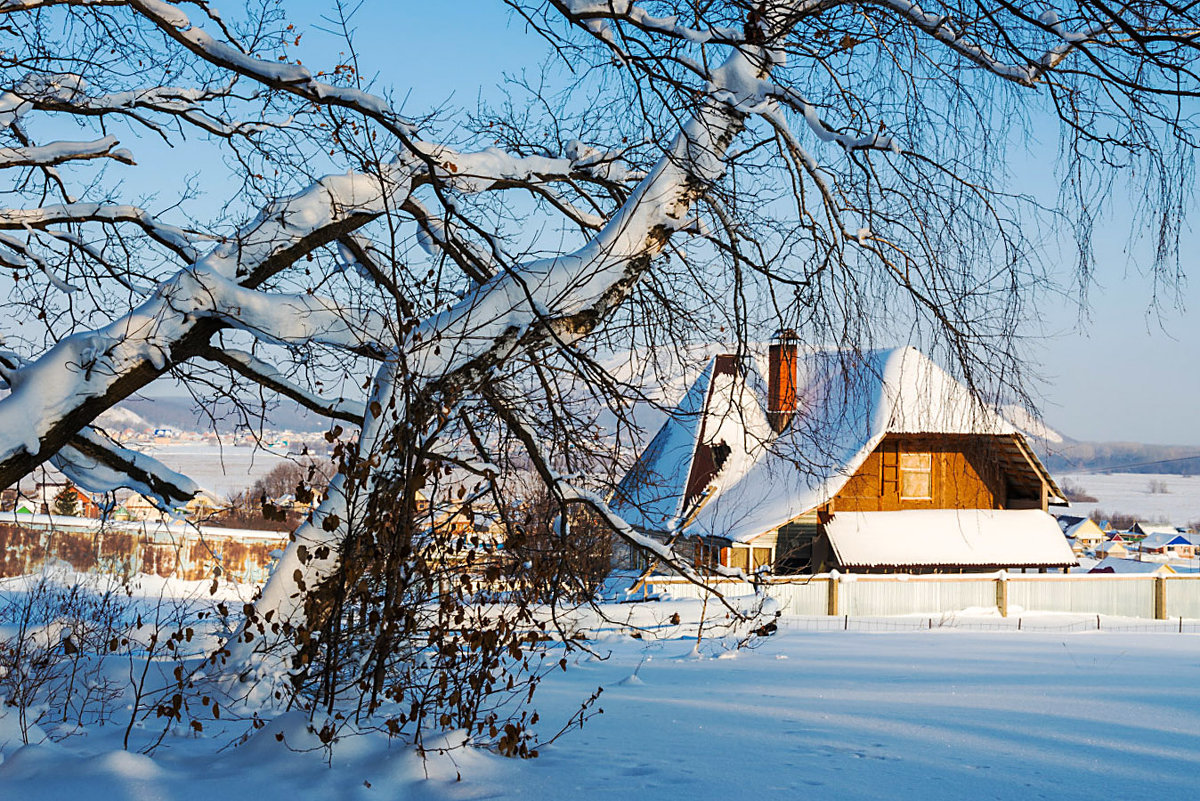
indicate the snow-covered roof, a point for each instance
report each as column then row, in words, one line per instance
column 1162, row 539
column 1111, row 564
column 1072, row 527
column 948, row 537
column 846, row 404
column 1155, row 529
column 1067, row 522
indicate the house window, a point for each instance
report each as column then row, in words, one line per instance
column 916, row 476
column 705, row 556
column 739, row 558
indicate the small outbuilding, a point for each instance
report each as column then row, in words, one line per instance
column 1114, row 548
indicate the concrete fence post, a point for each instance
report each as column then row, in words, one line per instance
column 1002, row 595
column 1160, row 597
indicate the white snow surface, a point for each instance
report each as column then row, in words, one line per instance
column 162, row 529
column 1129, row 493
column 948, row 537
column 939, row 714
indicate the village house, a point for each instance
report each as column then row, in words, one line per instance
column 810, row 460
column 1141, row 530
column 1081, row 532
column 1167, row 544
column 138, row 507
column 201, row 507
column 1114, row 548
column 46, row 496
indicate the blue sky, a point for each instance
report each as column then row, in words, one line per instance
column 1125, row 375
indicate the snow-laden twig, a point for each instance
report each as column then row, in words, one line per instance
column 942, row 29
column 60, row 152
column 165, row 234
column 84, row 370
column 269, row 376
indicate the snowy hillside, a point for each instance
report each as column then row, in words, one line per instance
column 1140, row 494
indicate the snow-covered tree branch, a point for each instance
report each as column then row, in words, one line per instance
column 701, row 172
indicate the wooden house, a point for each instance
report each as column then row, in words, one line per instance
column 805, row 460
column 1082, row 532
column 1114, row 548
column 201, row 507
column 47, row 493
column 138, row 507
column 1168, row 544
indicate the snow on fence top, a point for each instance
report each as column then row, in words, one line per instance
column 158, row 529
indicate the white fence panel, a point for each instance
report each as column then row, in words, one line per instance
column 875, row 597
column 686, row 589
column 798, row 598
column 1183, row 597
column 801, row 598
column 1127, row 597
column 883, row 596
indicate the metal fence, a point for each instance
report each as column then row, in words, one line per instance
column 1156, row 597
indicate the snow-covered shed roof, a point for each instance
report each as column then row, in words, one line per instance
column 846, row 404
column 1073, row 527
column 948, row 537
column 1111, row 564
column 1154, row 528
column 1067, row 522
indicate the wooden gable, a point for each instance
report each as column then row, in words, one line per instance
column 943, row 471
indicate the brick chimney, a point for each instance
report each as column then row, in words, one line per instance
column 781, row 380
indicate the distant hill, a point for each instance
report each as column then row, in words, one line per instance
column 1061, row 454
column 180, row 414
column 1071, row 456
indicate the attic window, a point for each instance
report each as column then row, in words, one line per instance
column 720, row 452
column 916, row 476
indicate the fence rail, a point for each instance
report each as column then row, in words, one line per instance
column 1155, row 597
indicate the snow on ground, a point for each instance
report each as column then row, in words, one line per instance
column 941, row 714
column 1129, row 493
column 222, row 470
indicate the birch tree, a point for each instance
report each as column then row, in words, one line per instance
column 440, row 288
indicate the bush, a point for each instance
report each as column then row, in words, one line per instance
column 1075, row 493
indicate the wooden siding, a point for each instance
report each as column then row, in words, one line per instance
column 964, row 474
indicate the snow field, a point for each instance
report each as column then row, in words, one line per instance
column 846, row 715
column 1129, row 493
column 941, row 714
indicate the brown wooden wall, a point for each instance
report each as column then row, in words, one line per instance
column 965, row 474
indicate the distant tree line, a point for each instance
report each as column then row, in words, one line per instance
column 1121, row 457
